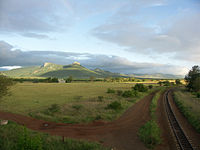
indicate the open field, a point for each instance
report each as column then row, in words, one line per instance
column 74, row 102
column 120, row 134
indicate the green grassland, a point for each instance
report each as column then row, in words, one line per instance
column 68, row 102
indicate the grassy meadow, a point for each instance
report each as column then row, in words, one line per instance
column 189, row 100
column 68, row 102
column 189, row 105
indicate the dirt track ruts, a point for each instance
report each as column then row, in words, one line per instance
column 120, row 134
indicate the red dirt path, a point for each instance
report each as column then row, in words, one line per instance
column 120, row 134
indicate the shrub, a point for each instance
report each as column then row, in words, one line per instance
column 98, row 117
column 178, row 81
column 198, row 94
column 110, row 90
column 100, row 98
column 77, row 107
column 166, row 83
column 129, row 93
column 54, row 108
column 27, row 142
column 114, row 105
column 150, row 86
column 119, row 92
column 150, row 134
column 140, row 88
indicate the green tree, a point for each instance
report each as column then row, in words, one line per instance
column 178, row 81
column 140, row 88
column 69, row 79
column 196, row 84
column 5, row 83
column 191, row 78
column 160, row 83
column 166, row 83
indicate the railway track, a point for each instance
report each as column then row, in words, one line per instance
column 180, row 136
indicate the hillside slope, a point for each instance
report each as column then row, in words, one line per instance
column 60, row 71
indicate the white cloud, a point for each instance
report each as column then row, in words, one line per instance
column 9, row 67
column 118, row 64
column 178, row 35
column 32, row 17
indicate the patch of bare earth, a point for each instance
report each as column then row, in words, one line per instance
column 120, row 134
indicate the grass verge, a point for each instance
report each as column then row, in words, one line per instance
column 16, row 137
column 187, row 110
column 150, row 133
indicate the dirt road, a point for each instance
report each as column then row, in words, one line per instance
column 120, row 134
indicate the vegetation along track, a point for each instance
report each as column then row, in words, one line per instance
column 181, row 138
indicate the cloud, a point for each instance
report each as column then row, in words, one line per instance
column 11, row 57
column 9, row 67
column 35, row 35
column 177, row 35
column 33, row 17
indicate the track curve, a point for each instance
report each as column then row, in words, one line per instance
column 181, row 138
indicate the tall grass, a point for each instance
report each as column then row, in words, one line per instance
column 150, row 133
column 191, row 116
column 16, row 137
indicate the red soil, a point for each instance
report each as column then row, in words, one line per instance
column 120, row 134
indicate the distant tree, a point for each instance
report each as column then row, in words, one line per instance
column 140, row 88
column 160, row 83
column 166, row 83
column 69, row 79
column 178, row 81
column 55, row 80
column 5, row 83
column 191, row 78
column 150, row 86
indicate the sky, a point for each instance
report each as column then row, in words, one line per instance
column 125, row 36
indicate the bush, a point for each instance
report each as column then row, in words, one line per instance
column 129, row 93
column 77, row 107
column 110, row 90
column 140, row 88
column 114, row 105
column 27, row 142
column 166, row 83
column 150, row 134
column 150, row 86
column 198, row 94
column 178, row 81
column 54, row 108
column 100, row 98
column 119, row 92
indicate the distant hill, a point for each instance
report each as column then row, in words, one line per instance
column 158, row 76
column 60, row 71
column 76, row 70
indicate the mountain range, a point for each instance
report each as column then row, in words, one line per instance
column 76, row 70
